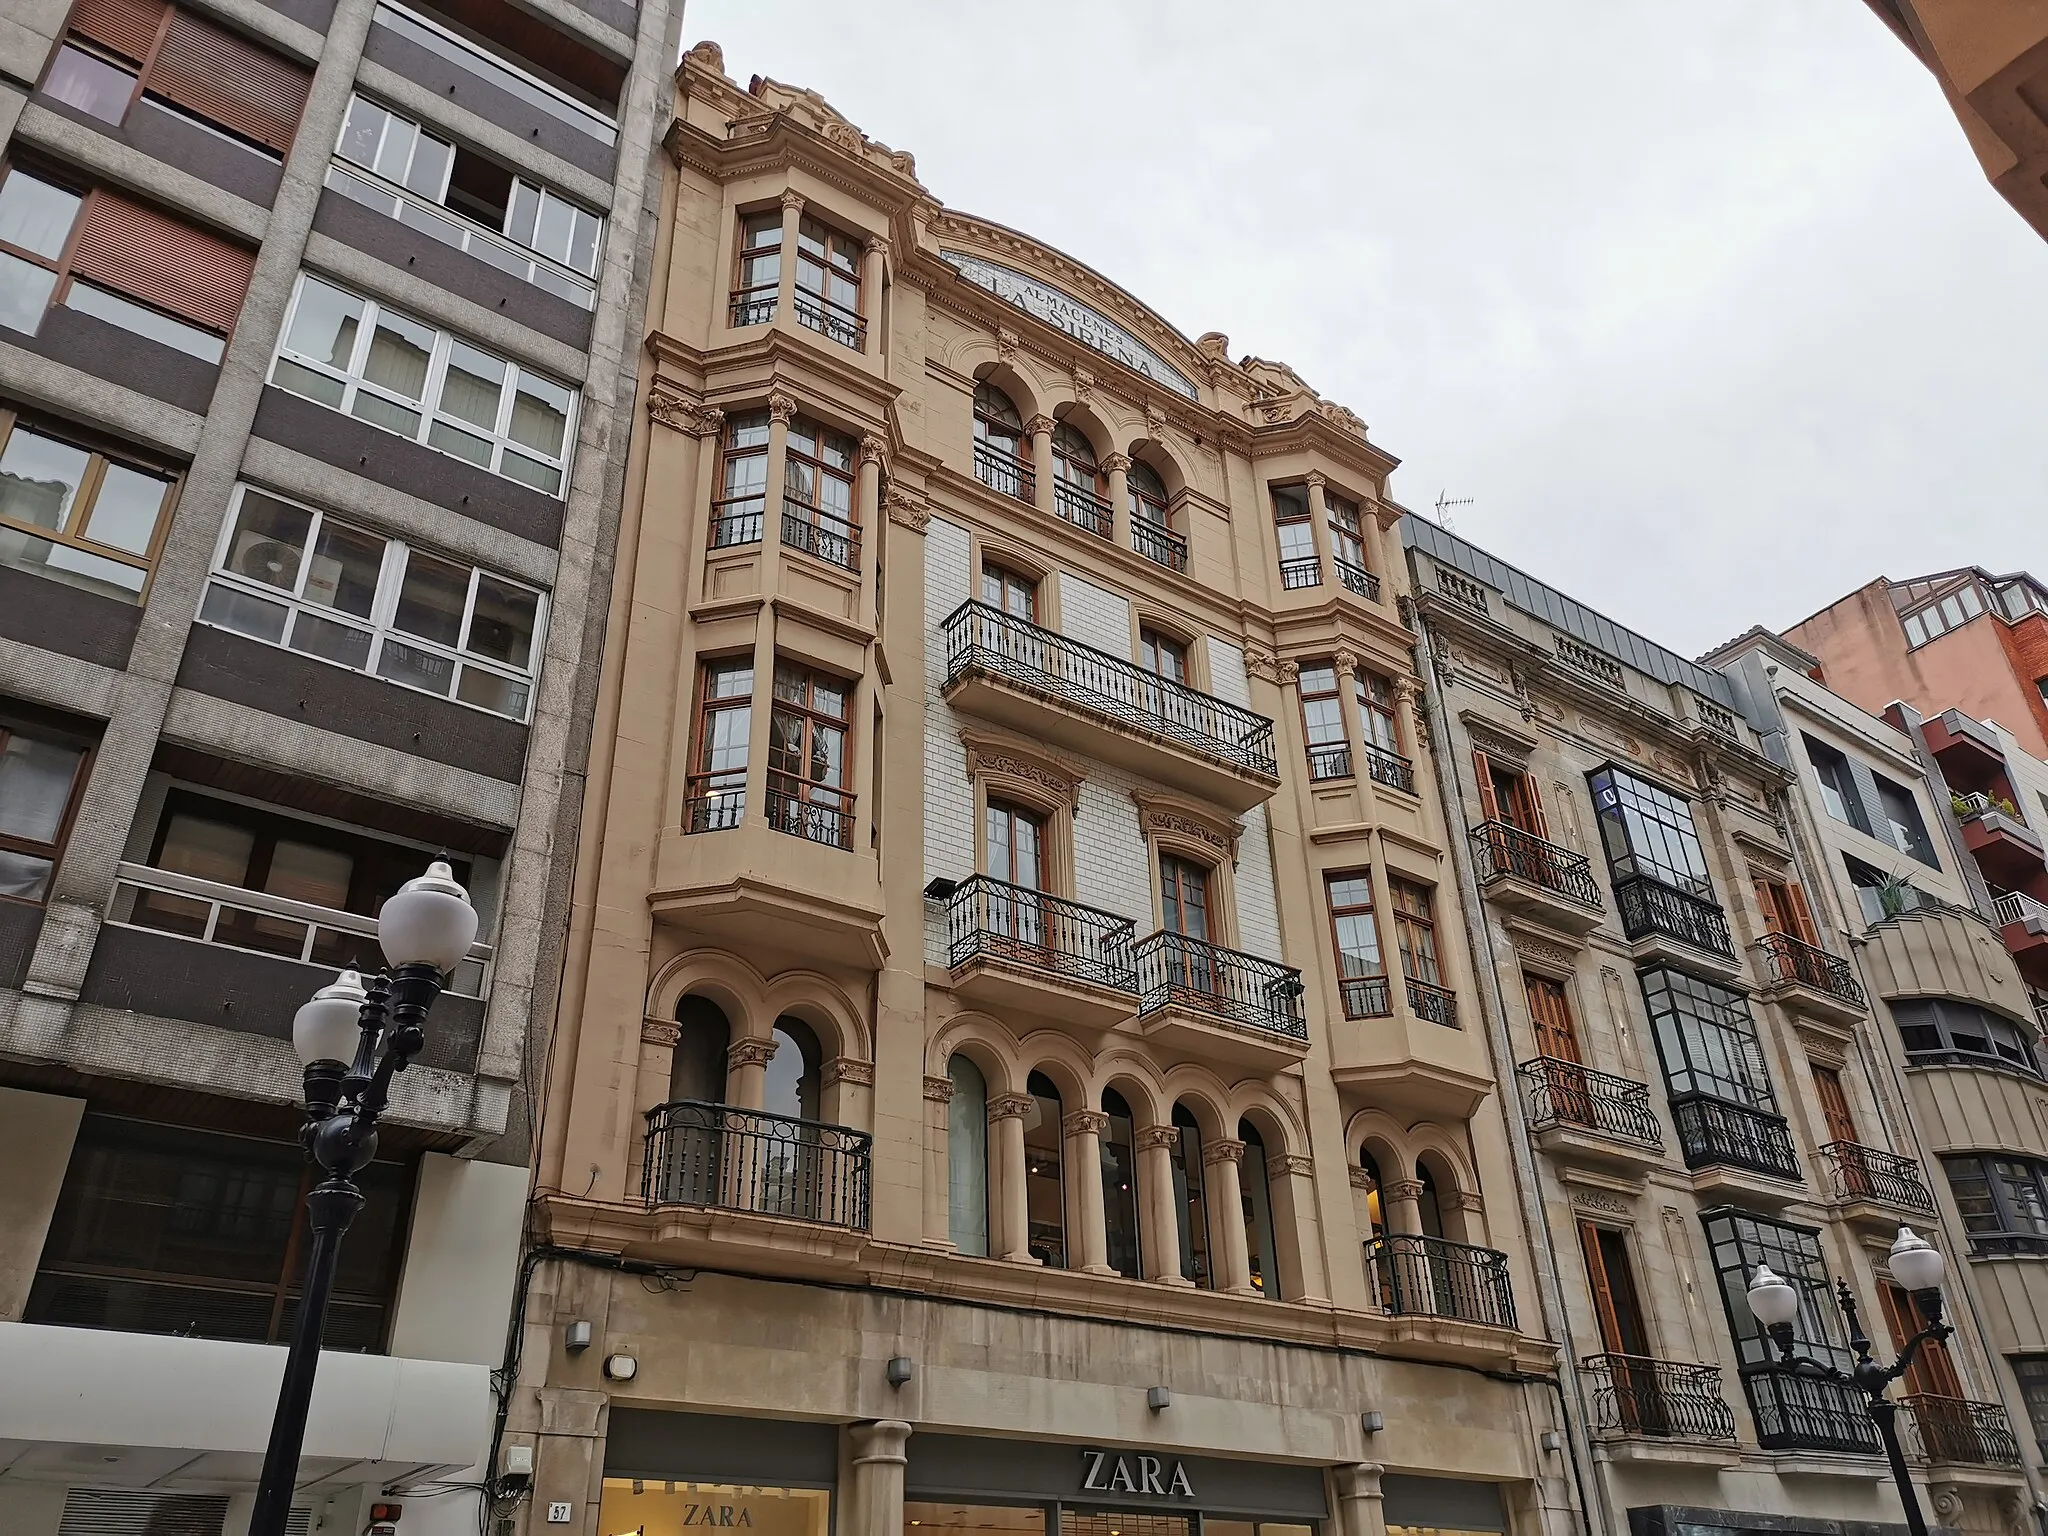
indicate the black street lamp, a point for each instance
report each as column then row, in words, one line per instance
column 424, row 931
column 1916, row 1266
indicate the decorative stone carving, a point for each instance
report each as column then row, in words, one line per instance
column 1599, row 1200
column 1542, row 952
column 1001, row 757
column 907, row 509
column 1402, row 1189
column 662, row 1032
column 1155, row 421
column 1114, row 462
column 1316, row 479
column 708, row 54
column 1159, row 813
column 1084, row 1122
column 1261, row 663
column 1225, row 1151
column 1948, row 1504
column 1167, row 1136
column 1361, row 1178
column 666, row 408
column 791, row 198
column 1823, row 1049
column 849, row 1069
column 781, row 407
column 1288, row 1165
column 878, row 245
column 749, row 1053
column 874, row 448
column 1496, row 745
column 1040, row 425
column 1010, row 1106
column 939, row 1089
column 1347, row 661
column 1006, row 343
column 1084, row 385
column 1470, row 1201
column 1289, row 672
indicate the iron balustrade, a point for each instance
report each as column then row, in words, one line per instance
column 1080, row 506
column 1306, row 572
column 1566, row 1093
column 1857, row 1172
column 1438, row 1005
column 1435, row 1277
column 1160, row 545
column 748, row 1160
column 982, row 638
column 992, row 918
column 1358, row 579
column 1175, row 971
column 1784, row 958
column 1716, row 1133
column 1503, row 850
column 833, row 321
column 1636, row 1395
column 818, row 812
column 1004, row 472
column 715, row 802
column 1461, row 589
column 1957, row 1430
column 737, row 521
column 1329, row 762
column 1649, row 906
column 1366, row 997
column 752, row 306
column 824, row 534
column 1390, row 769
column 1806, row 1413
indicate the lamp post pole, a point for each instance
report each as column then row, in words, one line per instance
column 1918, row 1267
column 424, row 931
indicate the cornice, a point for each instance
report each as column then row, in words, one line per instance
column 1316, row 433
column 791, row 363
column 772, row 142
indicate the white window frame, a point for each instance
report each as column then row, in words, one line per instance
column 427, row 407
column 381, row 624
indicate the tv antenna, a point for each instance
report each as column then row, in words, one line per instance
column 1444, row 503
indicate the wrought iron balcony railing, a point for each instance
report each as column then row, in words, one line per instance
column 747, row 1160
column 1162, row 546
column 1305, row 572
column 1366, row 997
column 981, row 638
column 1080, row 506
column 1857, row 1172
column 1957, row 1430
column 1635, row 1395
column 1649, row 906
column 1804, row 1413
column 1435, row 1277
column 1783, row 958
column 825, row 534
column 817, row 812
column 834, row 321
column 1328, row 762
column 1004, row 472
column 1390, row 769
column 752, row 306
column 1503, row 850
column 1175, row 971
column 737, row 520
column 1439, row 1005
column 994, row 919
column 1715, row 1133
column 1566, row 1093
column 1358, row 579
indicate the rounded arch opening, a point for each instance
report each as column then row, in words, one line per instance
column 795, row 1073
column 967, row 1181
column 697, row 1065
column 1261, row 1252
column 1045, row 1197
column 1119, row 1154
column 1190, row 1196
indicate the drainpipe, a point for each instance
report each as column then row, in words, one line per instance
column 1479, row 937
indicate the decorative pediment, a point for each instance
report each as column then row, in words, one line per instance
column 1173, row 817
column 1001, row 757
column 1497, row 740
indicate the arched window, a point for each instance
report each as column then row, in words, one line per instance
column 1152, row 532
column 793, row 1078
column 967, row 1158
column 1190, row 1206
column 1371, row 1211
column 1120, row 1188
column 1428, row 1207
column 1045, row 1200
column 687, row 1155
column 1000, row 462
column 1258, row 1212
column 696, row 1069
column 1077, row 488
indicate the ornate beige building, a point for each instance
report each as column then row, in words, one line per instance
column 1018, row 1046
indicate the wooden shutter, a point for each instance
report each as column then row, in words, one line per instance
column 1834, row 1104
column 1603, row 1290
column 1489, row 807
column 1550, row 1007
column 126, row 27
column 146, row 255
column 1802, row 915
column 218, row 76
column 1933, row 1373
column 1527, row 811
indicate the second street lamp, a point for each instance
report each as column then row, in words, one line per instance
column 353, row 1040
column 1919, row 1268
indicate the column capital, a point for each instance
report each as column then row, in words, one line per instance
column 1361, row 1178
column 939, row 1089
column 667, row 408
column 781, row 407
column 879, row 1440
column 874, row 448
column 1347, row 662
column 1402, row 1189
column 791, row 198
column 750, row 1053
column 878, row 245
column 1288, row 1166
column 1167, row 1136
column 849, row 1069
column 1116, row 463
column 1315, row 479
column 1009, row 1106
column 1040, row 425
column 1358, row 1480
column 1084, row 1122
column 1228, row 1150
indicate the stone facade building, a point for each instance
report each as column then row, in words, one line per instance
column 1019, row 1050
column 317, row 325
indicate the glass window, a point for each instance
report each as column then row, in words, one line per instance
column 76, row 515
column 2003, row 1201
column 1916, row 632
column 1000, row 460
column 91, row 84
column 716, row 795
column 1376, row 713
column 1934, row 1027
column 1902, row 813
column 930, row 1519
column 1258, row 1212
column 817, row 496
column 1838, row 793
column 808, row 756
column 1972, row 603
column 42, row 773
column 1952, row 611
column 296, row 577
column 1648, row 832
column 396, row 373
column 35, row 223
column 1045, row 1204
column 1322, row 721
column 967, row 1158
column 1415, row 930
column 495, row 71
column 1119, row 1156
column 1004, row 588
column 759, row 278
column 1706, row 1040
column 1362, row 973
column 2031, row 1371
column 1299, row 566
column 737, row 514
column 1738, row 1243
column 675, row 1508
column 828, row 283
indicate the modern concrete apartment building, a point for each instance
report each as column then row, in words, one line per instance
column 1019, row 1040
column 317, row 330
column 1690, row 1058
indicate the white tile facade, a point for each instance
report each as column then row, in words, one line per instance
column 1258, row 907
column 948, row 796
column 1094, row 616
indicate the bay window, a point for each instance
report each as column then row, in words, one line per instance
column 817, row 496
column 76, row 515
column 828, row 283
column 809, row 732
column 2003, row 1201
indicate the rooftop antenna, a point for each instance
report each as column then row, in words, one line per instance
column 1444, row 503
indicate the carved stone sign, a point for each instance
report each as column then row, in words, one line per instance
column 1156, row 1476
column 1088, row 326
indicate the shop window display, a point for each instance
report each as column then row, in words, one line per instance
column 651, row 1507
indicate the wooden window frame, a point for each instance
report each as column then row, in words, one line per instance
column 72, row 534
column 1329, row 760
column 1140, row 498
column 1423, row 923
column 1359, row 1001
column 1190, row 830
column 1527, row 816
column 1371, row 709
column 731, row 452
column 1284, row 518
column 15, row 724
column 1007, row 574
column 1008, row 768
column 812, row 719
column 1347, row 527
column 746, row 308
column 698, row 782
column 817, row 518
column 837, row 319
column 991, row 430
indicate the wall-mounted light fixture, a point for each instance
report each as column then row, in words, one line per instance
column 1372, row 1421
column 576, row 1336
column 899, row 1370
column 620, row 1367
column 939, row 888
column 1157, row 1398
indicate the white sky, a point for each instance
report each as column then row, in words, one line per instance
column 1706, row 305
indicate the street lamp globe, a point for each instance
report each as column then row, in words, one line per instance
column 1772, row 1298
column 326, row 1026
column 1915, row 1262
column 429, row 921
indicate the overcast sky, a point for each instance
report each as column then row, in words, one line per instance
column 1707, row 307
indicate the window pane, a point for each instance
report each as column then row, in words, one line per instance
column 24, row 293
column 239, row 611
column 474, row 385
column 307, row 872
column 430, row 603
column 409, row 664
column 557, row 224
column 464, row 445
column 1916, row 632
column 324, row 325
column 542, row 477
column 583, row 244
column 35, row 216
column 70, row 565
column 540, row 415
column 525, row 208
column 35, row 785
column 399, row 353
column 206, row 850
column 331, row 641
column 124, row 512
column 269, row 541
column 104, row 304
column 380, row 412
column 343, row 575
column 1952, row 611
column 304, row 381
column 91, row 85
column 502, row 626
column 429, row 171
column 487, row 690
column 24, row 876
column 396, row 153
column 360, row 133
column 39, row 476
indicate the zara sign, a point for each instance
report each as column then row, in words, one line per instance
column 1147, row 1476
